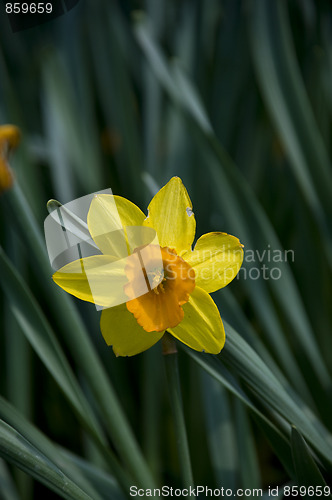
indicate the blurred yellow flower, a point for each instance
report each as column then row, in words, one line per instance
column 9, row 139
column 179, row 299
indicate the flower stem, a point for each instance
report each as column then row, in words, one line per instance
column 173, row 380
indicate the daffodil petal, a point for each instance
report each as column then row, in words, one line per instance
column 9, row 139
column 6, row 175
column 97, row 279
column 201, row 328
column 107, row 219
column 170, row 214
column 121, row 330
column 216, row 260
column 10, row 135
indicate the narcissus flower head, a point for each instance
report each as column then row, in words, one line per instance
column 179, row 279
column 9, row 139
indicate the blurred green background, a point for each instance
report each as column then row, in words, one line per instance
column 234, row 97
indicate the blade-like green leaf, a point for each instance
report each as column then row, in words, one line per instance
column 258, row 378
column 68, row 137
column 102, row 483
column 307, row 472
column 276, row 436
column 16, row 420
column 116, row 94
column 249, row 467
column 151, row 408
column 256, row 375
column 220, row 433
column 234, row 315
column 7, row 486
column 18, row 451
column 285, row 95
column 153, row 98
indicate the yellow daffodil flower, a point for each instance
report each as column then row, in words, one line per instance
column 9, row 139
column 179, row 300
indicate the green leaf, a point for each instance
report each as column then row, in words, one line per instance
column 307, row 472
column 151, row 415
column 154, row 54
column 173, row 382
column 257, row 376
column 152, row 101
column 19, row 376
column 70, row 140
column 279, row 75
column 275, row 432
column 116, row 93
column 249, row 466
column 102, row 482
column 7, row 486
column 20, row 452
column 17, row 421
column 234, row 315
column 220, row 432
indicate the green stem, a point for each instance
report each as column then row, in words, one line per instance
column 173, row 380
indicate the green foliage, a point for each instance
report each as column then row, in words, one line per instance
column 234, row 97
